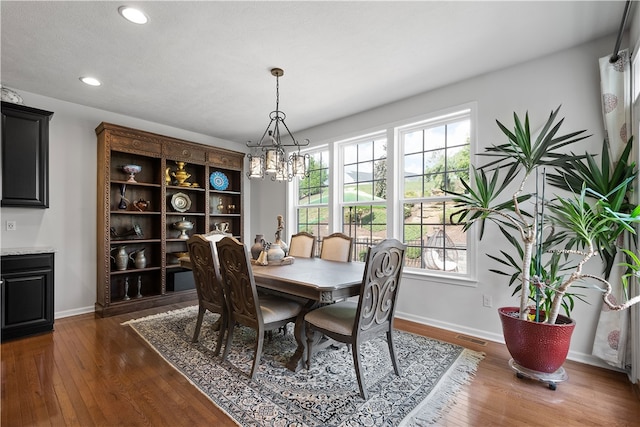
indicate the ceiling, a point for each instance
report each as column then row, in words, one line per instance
column 204, row 66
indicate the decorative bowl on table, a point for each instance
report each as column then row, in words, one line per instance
column 132, row 170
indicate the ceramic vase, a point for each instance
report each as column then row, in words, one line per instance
column 258, row 246
column 283, row 245
column 275, row 253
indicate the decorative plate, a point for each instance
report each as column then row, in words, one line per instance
column 219, row 181
column 180, row 202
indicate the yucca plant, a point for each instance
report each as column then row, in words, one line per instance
column 601, row 179
column 583, row 224
column 586, row 224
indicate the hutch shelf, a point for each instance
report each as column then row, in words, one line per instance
column 141, row 216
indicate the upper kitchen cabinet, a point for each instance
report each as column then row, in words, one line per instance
column 25, row 156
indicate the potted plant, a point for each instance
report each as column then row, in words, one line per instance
column 552, row 238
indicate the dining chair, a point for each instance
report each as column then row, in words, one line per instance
column 336, row 247
column 353, row 322
column 302, row 245
column 261, row 313
column 203, row 255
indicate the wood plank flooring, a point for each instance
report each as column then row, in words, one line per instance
column 95, row 372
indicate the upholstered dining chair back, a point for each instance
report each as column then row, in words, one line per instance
column 379, row 289
column 246, row 307
column 336, row 247
column 302, row 245
column 353, row 322
column 209, row 287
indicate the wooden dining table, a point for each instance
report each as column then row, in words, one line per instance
column 315, row 280
column 318, row 281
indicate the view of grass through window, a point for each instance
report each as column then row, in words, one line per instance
column 433, row 155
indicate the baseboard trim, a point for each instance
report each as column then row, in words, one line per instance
column 74, row 312
column 587, row 359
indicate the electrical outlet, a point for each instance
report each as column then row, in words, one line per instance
column 487, row 301
column 11, row 225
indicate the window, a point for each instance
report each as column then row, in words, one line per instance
column 435, row 155
column 313, row 196
column 395, row 183
column 364, row 192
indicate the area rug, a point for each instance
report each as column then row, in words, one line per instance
column 327, row 394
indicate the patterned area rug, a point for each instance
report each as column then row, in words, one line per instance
column 326, row 395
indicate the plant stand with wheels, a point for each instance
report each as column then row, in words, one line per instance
column 551, row 379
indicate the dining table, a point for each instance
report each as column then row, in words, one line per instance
column 316, row 281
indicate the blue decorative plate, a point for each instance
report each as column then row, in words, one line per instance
column 219, row 181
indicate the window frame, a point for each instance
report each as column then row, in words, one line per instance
column 432, row 121
column 293, row 205
column 341, row 204
column 395, row 186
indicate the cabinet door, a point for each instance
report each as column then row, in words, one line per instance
column 25, row 156
column 27, row 295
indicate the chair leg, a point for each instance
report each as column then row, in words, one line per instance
column 231, row 324
column 392, row 352
column 256, row 358
column 196, row 333
column 222, row 328
column 359, row 373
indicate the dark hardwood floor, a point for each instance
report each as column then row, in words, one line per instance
column 96, row 372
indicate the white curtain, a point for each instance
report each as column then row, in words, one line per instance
column 635, row 310
column 612, row 342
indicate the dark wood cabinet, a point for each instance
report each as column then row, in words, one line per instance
column 27, row 294
column 125, row 229
column 25, row 156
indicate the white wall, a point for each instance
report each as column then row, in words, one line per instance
column 570, row 78
column 69, row 225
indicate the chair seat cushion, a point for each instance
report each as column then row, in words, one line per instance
column 338, row 318
column 275, row 309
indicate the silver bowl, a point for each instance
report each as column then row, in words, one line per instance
column 183, row 226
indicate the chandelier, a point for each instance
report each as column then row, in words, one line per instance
column 269, row 155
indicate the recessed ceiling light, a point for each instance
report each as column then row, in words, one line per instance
column 91, row 81
column 132, row 14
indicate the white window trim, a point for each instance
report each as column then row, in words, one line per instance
column 433, row 119
column 394, row 157
column 292, row 191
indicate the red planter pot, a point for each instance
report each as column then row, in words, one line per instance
column 537, row 346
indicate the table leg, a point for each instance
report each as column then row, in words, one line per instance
column 298, row 360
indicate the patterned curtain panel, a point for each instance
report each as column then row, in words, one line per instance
column 612, row 340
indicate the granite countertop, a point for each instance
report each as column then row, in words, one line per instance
column 26, row 251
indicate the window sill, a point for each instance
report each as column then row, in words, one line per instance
column 445, row 279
